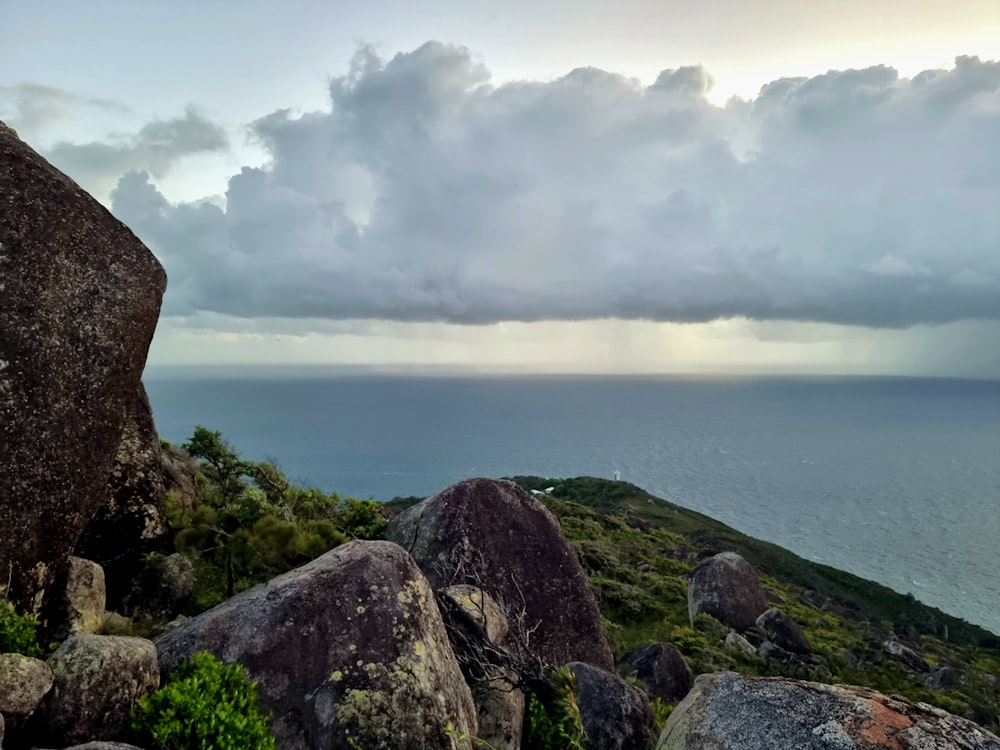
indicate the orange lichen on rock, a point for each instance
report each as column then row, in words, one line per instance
column 880, row 729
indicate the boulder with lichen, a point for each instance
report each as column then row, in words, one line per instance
column 347, row 650
column 81, row 297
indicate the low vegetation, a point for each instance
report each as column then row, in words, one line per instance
column 205, row 705
column 18, row 631
column 638, row 550
column 248, row 523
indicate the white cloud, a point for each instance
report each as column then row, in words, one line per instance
column 424, row 193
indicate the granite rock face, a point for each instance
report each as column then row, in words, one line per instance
column 492, row 534
column 348, row 650
column 727, row 587
column 80, row 300
column 731, row 712
column 134, row 517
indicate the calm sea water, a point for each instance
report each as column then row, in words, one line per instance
column 897, row 480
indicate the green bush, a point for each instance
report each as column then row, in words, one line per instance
column 18, row 632
column 552, row 715
column 205, row 705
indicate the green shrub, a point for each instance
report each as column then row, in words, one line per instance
column 205, row 705
column 552, row 715
column 18, row 632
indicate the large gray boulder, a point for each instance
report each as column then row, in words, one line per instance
column 727, row 587
column 616, row 715
column 134, row 518
column 80, row 300
column 731, row 712
column 348, row 650
column 98, row 681
column 661, row 669
column 494, row 535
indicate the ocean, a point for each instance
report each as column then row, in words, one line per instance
column 893, row 479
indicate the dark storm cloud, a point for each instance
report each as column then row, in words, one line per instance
column 426, row 193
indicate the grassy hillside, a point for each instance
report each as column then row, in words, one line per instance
column 638, row 549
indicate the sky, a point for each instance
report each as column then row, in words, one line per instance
column 587, row 187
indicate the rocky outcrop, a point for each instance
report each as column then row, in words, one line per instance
column 98, row 681
column 727, row 587
column 783, row 631
column 348, row 650
column 731, row 712
column 134, row 518
column 616, row 715
column 494, row 535
column 661, row 669
column 78, row 601
column 24, row 681
column 81, row 296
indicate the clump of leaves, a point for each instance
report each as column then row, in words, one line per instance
column 18, row 632
column 552, row 715
column 205, row 705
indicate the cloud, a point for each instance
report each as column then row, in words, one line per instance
column 32, row 108
column 155, row 148
column 427, row 193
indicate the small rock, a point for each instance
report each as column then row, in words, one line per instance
column 79, row 600
column 727, row 587
column 847, row 656
column 906, row 655
column 773, row 597
column 943, row 678
column 616, row 715
column 662, row 670
column 736, row 641
column 98, row 681
column 23, row 684
column 813, row 599
column 784, row 631
column 771, row 650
